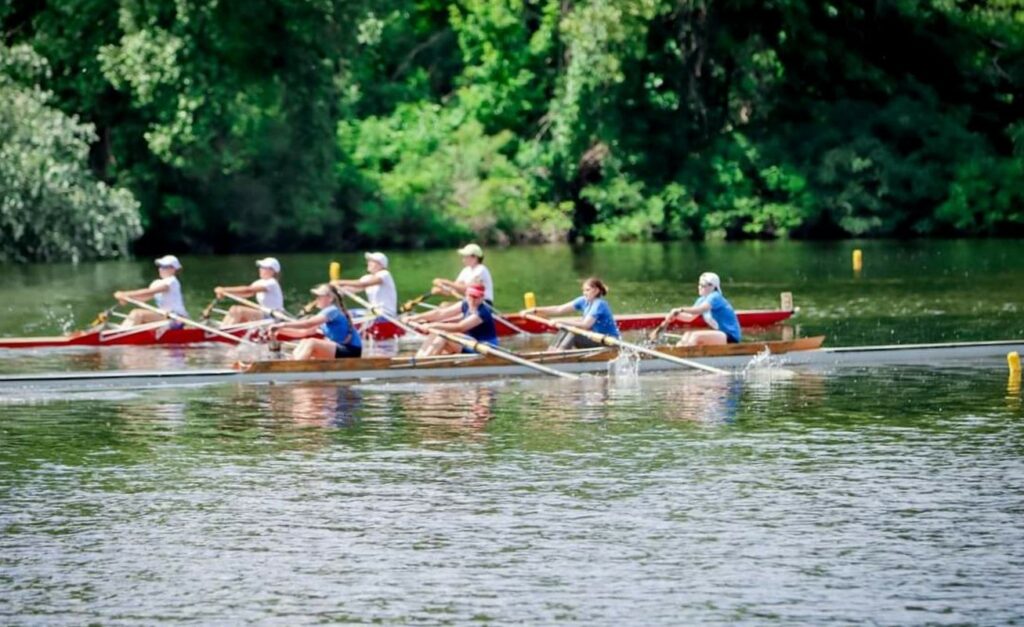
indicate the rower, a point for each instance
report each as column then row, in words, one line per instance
column 166, row 291
column 378, row 284
column 471, row 316
column 594, row 309
column 724, row 327
column 266, row 289
column 473, row 271
column 341, row 338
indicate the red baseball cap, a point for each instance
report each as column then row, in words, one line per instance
column 475, row 290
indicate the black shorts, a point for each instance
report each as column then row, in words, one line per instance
column 344, row 351
column 731, row 340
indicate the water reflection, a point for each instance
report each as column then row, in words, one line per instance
column 315, row 404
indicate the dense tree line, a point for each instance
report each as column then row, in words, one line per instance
column 231, row 125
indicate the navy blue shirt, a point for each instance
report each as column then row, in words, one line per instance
column 486, row 331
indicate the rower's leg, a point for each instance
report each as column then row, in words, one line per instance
column 430, row 346
column 313, row 348
column 141, row 316
column 239, row 314
column 703, row 338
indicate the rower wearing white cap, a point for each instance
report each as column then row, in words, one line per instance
column 166, row 291
column 266, row 289
column 473, row 272
column 723, row 326
column 378, row 284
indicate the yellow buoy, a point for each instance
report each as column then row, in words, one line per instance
column 335, row 271
column 858, row 260
column 529, row 300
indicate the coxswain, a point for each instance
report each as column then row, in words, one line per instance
column 595, row 315
column 341, row 338
column 166, row 291
column 723, row 325
column 470, row 316
column 266, row 289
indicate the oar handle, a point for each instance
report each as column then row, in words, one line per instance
column 209, row 309
column 408, row 305
column 186, row 321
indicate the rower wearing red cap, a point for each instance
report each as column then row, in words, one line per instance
column 471, row 316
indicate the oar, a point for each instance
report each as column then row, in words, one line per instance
column 409, row 305
column 653, row 335
column 186, row 321
column 280, row 315
column 480, row 347
column 209, row 309
column 110, row 335
column 608, row 340
column 497, row 314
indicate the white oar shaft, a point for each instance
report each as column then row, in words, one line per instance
column 186, row 321
column 608, row 340
column 471, row 344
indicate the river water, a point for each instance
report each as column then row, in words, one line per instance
column 886, row 495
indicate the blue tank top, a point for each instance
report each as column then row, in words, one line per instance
column 486, row 331
column 337, row 328
column 604, row 321
column 723, row 315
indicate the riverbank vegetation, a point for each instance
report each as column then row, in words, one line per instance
column 218, row 125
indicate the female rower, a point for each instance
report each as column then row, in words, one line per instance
column 266, row 289
column 723, row 326
column 473, row 271
column 377, row 282
column 341, row 339
column 166, row 291
column 471, row 316
column 597, row 316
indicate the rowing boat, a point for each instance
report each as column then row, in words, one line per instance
column 801, row 352
column 378, row 330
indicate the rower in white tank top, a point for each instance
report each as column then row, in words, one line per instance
column 170, row 299
column 474, row 272
column 378, row 284
column 166, row 291
column 266, row 291
column 269, row 294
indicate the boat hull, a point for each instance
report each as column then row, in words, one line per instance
column 380, row 330
column 796, row 353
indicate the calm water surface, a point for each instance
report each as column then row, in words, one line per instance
column 889, row 495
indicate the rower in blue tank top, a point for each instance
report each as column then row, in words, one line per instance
column 596, row 315
column 723, row 325
column 471, row 316
column 341, row 337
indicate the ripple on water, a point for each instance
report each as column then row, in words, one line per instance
column 790, row 497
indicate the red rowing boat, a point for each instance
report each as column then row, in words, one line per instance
column 380, row 330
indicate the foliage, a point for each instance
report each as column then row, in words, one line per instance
column 51, row 205
column 299, row 123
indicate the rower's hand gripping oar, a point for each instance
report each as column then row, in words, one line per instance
column 480, row 347
column 186, row 321
column 608, row 340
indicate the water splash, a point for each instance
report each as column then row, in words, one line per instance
column 625, row 367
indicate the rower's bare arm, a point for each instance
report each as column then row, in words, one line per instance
column 463, row 325
column 145, row 293
column 550, row 310
column 238, row 290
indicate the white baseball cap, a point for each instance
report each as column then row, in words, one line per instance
column 321, row 290
column 710, row 278
column 472, row 250
column 270, row 263
column 380, row 258
column 169, row 261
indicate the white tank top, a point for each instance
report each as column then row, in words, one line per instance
column 170, row 300
column 271, row 297
column 478, row 274
column 384, row 294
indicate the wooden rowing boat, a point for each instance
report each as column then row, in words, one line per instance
column 801, row 352
column 379, row 330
